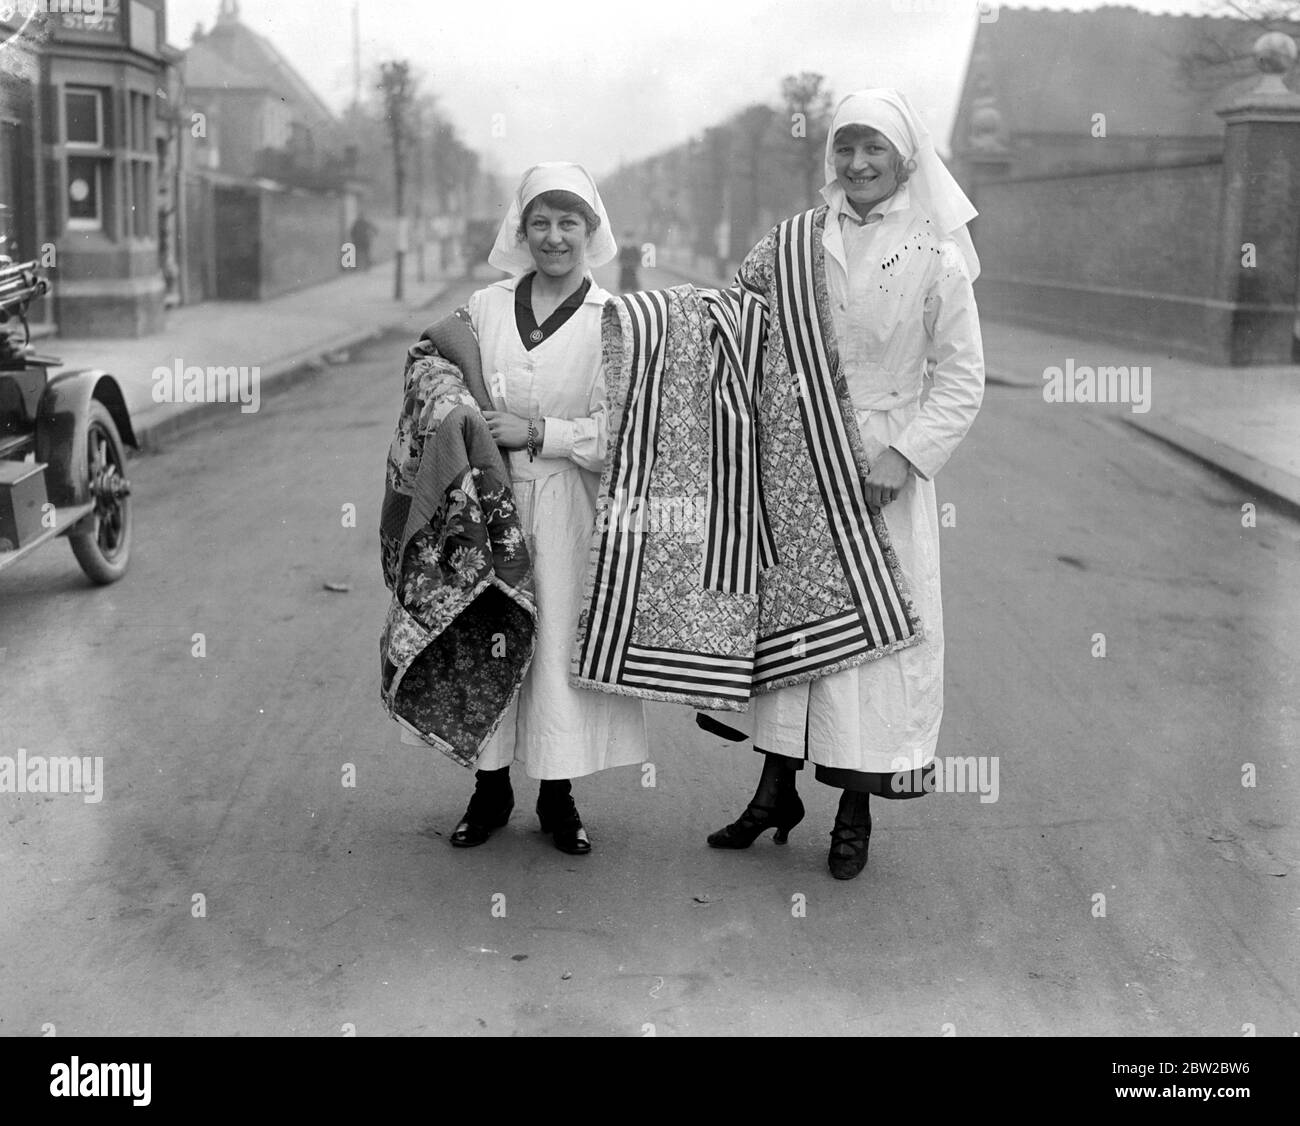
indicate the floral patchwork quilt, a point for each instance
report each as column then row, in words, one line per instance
column 461, row 627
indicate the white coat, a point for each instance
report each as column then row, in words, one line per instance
column 553, row 730
column 884, row 715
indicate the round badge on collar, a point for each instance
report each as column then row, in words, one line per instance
column 535, row 335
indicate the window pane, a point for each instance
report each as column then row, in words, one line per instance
column 83, row 117
column 139, row 122
column 83, row 188
column 142, row 199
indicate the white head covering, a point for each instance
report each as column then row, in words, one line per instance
column 931, row 187
column 511, row 255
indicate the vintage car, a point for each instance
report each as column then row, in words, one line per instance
column 62, row 446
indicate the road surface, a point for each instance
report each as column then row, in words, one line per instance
column 325, row 906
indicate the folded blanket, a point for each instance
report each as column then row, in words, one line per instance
column 461, row 628
column 735, row 552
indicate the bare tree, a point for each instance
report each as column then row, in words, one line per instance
column 809, row 103
column 1222, row 50
column 398, row 88
column 749, row 130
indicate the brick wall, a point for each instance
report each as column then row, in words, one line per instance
column 1130, row 254
column 302, row 240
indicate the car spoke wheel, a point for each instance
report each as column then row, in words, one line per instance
column 102, row 544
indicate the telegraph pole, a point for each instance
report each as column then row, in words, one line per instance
column 356, row 56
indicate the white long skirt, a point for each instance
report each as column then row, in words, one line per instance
column 884, row 715
column 553, row 730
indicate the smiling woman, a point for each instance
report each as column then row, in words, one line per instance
column 868, row 166
column 890, row 266
column 544, row 400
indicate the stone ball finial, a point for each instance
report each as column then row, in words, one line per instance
column 987, row 129
column 1275, row 52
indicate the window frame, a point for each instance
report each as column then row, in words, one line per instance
column 77, row 223
column 85, row 146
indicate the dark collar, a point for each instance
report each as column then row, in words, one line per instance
column 530, row 332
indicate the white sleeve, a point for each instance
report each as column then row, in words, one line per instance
column 581, row 439
column 953, row 329
column 471, row 306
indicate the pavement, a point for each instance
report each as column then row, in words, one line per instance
column 284, row 338
column 1244, row 421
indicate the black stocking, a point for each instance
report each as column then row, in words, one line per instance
column 777, row 779
column 854, row 808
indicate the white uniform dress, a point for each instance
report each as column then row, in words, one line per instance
column 884, row 715
column 555, row 731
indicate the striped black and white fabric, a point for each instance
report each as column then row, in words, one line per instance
column 734, row 551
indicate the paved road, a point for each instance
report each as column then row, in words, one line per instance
column 327, row 906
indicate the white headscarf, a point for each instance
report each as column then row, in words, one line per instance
column 512, row 256
column 931, row 187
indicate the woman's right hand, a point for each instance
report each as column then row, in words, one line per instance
column 509, row 431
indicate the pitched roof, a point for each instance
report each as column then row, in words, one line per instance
column 232, row 55
column 1049, row 71
column 205, row 68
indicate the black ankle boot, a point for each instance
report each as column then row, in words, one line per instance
column 559, row 817
column 757, row 819
column 776, row 804
column 489, row 808
column 849, row 837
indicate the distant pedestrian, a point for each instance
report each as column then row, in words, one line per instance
column 629, row 258
column 362, row 232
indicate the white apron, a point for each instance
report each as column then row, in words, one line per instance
column 884, row 715
column 553, row 730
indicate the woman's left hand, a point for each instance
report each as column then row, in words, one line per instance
column 886, row 477
column 509, row 431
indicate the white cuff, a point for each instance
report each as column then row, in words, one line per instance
column 926, row 457
column 557, row 441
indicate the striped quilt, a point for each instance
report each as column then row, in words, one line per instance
column 734, row 551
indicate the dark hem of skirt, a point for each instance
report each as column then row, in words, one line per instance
column 896, row 784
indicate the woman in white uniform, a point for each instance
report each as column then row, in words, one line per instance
column 892, row 207
column 539, row 342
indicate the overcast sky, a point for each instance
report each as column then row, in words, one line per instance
column 603, row 82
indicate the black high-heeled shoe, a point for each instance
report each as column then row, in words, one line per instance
column 850, row 837
column 757, row 819
column 489, row 808
column 558, row 816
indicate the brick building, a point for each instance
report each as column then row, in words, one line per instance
column 254, row 102
column 266, row 190
column 82, row 137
